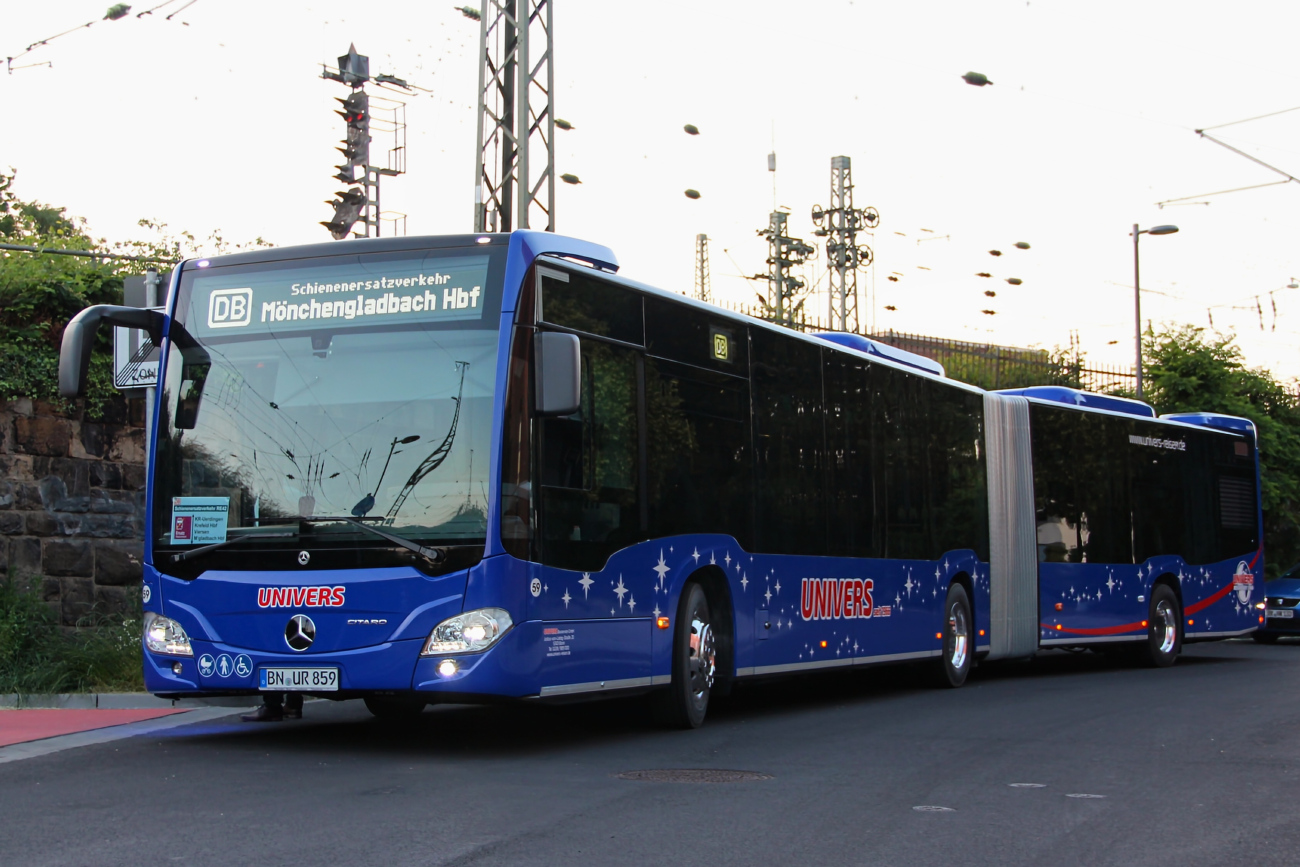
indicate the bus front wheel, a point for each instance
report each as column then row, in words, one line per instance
column 389, row 708
column 958, row 646
column 695, row 659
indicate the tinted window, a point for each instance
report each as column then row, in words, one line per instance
column 682, row 333
column 587, row 304
column 699, row 472
column 788, row 444
column 589, row 465
column 900, row 406
column 848, row 454
column 958, row 507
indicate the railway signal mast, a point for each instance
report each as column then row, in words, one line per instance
column 840, row 225
column 514, row 183
column 359, row 202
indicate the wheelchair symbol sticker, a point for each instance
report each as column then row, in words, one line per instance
column 243, row 665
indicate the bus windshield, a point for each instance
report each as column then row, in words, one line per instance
column 355, row 386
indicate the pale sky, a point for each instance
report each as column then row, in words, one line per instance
column 222, row 122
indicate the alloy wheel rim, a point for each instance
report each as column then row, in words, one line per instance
column 703, row 659
column 1168, row 626
column 960, row 636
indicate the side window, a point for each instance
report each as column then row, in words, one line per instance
column 589, row 465
column 591, row 305
column 1160, row 500
column 1102, row 489
column 958, row 508
column 848, row 454
column 699, row 473
column 899, row 406
column 1061, row 534
column 789, row 444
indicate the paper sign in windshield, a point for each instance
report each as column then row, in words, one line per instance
column 199, row 520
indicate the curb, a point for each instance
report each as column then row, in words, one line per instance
column 118, row 701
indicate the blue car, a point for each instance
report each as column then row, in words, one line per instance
column 1281, row 608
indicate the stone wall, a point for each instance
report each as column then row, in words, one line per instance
column 72, row 503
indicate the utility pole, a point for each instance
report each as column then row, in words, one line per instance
column 702, row 288
column 514, row 171
column 840, row 224
column 784, row 254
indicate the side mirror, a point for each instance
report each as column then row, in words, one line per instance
column 79, row 339
column 558, row 372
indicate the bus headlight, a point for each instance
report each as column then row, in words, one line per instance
column 164, row 635
column 471, row 632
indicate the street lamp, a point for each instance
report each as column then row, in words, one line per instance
column 1137, row 293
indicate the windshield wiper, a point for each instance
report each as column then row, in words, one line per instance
column 198, row 552
column 433, row 555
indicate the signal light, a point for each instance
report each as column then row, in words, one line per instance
column 1144, row 623
column 662, row 622
column 823, row 644
column 1190, row 622
column 938, row 635
column 356, row 108
column 347, row 210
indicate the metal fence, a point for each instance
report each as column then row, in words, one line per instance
column 989, row 365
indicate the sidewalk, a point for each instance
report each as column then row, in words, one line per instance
column 27, row 718
column 21, row 726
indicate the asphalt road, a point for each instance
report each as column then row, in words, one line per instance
column 1194, row 765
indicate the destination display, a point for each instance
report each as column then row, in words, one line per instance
column 325, row 293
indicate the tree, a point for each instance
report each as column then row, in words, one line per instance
column 40, row 292
column 1188, row 371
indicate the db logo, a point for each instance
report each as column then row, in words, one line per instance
column 230, row 308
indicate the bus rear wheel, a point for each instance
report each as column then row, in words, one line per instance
column 1164, row 638
column 958, row 643
column 685, row 702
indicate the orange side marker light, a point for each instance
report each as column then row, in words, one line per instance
column 1058, row 627
column 938, row 635
column 823, row 644
column 981, row 632
column 662, row 622
column 1190, row 622
column 1144, row 623
column 1261, row 619
column 1059, row 606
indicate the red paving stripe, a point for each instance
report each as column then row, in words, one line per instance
column 20, row 726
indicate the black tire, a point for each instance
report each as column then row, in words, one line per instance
column 1164, row 628
column 684, row 704
column 1264, row 637
column 958, row 639
column 394, row 709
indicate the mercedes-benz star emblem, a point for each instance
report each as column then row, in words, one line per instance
column 303, row 558
column 300, row 632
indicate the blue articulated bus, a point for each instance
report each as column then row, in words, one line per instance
column 480, row 468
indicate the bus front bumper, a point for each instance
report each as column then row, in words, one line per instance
column 508, row 669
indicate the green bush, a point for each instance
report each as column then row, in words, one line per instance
column 38, row 656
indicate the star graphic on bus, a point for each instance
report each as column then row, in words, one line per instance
column 727, row 558
column 620, row 590
column 768, row 595
column 631, row 604
column 696, row 555
column 908, row 585
column 778, row 587
column 566, row 597
column 656, row 612
column 662, row 568
column 586, row 583
column 744, row 582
